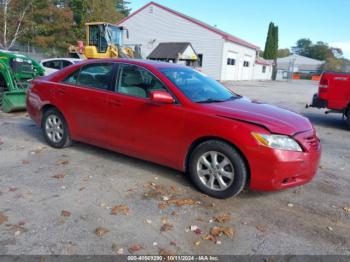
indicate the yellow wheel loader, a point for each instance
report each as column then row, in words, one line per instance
column 104, row 40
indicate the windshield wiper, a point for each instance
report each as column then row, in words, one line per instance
column 210, row 100
column 233, row 97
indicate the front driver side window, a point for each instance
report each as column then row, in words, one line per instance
column 136, row 81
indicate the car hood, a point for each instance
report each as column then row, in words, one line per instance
column 276, row 119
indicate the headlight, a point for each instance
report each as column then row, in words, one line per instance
column 278, row 142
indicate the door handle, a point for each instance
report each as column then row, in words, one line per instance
column 61, row 91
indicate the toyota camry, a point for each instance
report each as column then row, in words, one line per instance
column 175, row 116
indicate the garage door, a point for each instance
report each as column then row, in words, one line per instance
column 247, row 67
column 231, row 66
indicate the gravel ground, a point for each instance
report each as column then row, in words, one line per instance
column 53, row 201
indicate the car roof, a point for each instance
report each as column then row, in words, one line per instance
column 148, row 64
column 140, row 62
column 62, row 58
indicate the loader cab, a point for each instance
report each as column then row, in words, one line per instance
column 103, row 35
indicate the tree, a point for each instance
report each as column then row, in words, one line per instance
column 283, row 52
column 345, row 67
column 13, row 13
column 271, row 46
column 84, row 11
column 121, row 7
column 50, row 26
column 80, row 10
column 337, row 52
column 275, row 51
column 333, row 56
column 302, row 47
column 332, row 64
column 268, row 51
column 320, row 50
column 53, row 25
column 91, row 10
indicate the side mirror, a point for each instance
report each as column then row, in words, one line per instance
column 161, row 97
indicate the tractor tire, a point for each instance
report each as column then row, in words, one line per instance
column 3, row 88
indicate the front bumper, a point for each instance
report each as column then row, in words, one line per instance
column 279, row 169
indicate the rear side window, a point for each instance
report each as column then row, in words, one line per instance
column 96, row 76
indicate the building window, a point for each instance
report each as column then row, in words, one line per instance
column 246, row 64
column 264, row 69
column 231, row 61
column 200, row 60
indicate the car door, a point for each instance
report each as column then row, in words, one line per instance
column 139, row 127
column 84, row 95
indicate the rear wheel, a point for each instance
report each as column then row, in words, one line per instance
column 3, row 88
column 218, row 169
column 55, row 129
column 348, row 117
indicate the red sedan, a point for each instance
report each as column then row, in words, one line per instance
column 177, row 117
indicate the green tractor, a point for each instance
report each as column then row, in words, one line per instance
column 16, row 72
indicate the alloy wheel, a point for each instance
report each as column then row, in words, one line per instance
column 215, row 170
column 54, row 128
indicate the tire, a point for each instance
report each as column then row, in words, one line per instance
column 207, row 177
column 55, row 129
column 348, row 117
column 3, row 88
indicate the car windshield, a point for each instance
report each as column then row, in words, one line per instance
column 198, row 87
column 114, row 35
column 19, row 65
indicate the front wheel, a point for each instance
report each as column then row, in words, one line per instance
column 218, row 169
column 348, row 117
column 55, row 129
column 3, row 89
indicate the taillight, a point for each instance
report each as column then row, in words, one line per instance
column 323, row 83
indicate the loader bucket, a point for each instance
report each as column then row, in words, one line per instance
column 13, row 101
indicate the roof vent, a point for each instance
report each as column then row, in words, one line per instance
column 150, row 10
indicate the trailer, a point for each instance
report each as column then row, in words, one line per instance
column 333, row 94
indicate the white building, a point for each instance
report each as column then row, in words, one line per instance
column 222, row 56
column 297, row 64
column 262, row 69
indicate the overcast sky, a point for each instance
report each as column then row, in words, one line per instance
column 319, row 20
